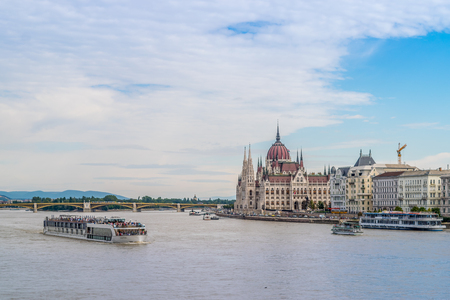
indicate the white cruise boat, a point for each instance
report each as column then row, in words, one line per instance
column 206, row 216
column 108, row 230
column 402, row 220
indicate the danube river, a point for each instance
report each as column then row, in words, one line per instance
column 188, row 258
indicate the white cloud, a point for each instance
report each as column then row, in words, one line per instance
column 440, row 160
column 137, row 80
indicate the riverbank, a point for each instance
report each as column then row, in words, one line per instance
column 282, row 219
column 293, row 219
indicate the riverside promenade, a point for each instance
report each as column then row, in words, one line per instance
column 283, row 219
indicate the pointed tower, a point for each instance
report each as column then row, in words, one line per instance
column 250, row 171
column 297, row 157
column 244, row 166
column 302, row 167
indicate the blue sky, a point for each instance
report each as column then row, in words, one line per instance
column 160, row 98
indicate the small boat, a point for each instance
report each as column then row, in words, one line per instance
column 347, row 228
column 214, row 217
column 194, row 213
column 207, row 217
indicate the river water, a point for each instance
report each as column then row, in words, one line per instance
column 188, row 258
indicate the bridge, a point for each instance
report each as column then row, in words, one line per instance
column 89, row 206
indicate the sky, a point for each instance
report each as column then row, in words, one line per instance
column 159, row 98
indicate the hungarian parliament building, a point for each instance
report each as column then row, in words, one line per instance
column 279, row 184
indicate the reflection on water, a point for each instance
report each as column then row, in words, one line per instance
column 188, row 258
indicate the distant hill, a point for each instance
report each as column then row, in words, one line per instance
column 54, row 195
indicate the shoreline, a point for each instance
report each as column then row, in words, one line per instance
column 295, row 220
column 282, row 219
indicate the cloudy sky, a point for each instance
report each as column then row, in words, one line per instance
column 160, row 98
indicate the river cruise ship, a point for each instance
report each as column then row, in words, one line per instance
column 108, row 230
column 401, row 220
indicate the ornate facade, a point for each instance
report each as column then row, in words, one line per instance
column 281, row 184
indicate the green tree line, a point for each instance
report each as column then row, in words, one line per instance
column 145, row 199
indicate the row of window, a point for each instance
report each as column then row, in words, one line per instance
column 298, row 191
column 278, row 203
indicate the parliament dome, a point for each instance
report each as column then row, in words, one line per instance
column 278, row 151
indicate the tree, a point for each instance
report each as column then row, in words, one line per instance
column 422, row 208
column 312, row 205
column 415, row 209
column 436, row 210
column 110, row 198
column 320, row 205
column 398, row 208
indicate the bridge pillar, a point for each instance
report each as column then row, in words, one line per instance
column 86, row 207
column 178, row 207
column 134, row 207
column 34, row 207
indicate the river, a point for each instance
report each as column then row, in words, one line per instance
column 188, row 258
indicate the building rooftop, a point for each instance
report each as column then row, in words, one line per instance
column 389, row 174
column 365, row 160
column 426, row 173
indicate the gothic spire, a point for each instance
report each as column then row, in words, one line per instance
column 301, row 158
column 297, row 157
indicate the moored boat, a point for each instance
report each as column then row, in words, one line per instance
column 109, row 230
column 206, row 216
column 402, row 220
column 347, row 228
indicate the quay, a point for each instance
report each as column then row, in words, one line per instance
column 314, row 220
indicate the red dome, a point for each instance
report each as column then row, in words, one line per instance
column 278, row 151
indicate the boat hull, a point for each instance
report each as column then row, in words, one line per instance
column 114, row 239
column 347, row 233
column 431, row 228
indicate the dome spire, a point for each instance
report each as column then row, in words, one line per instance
column 278, row 131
